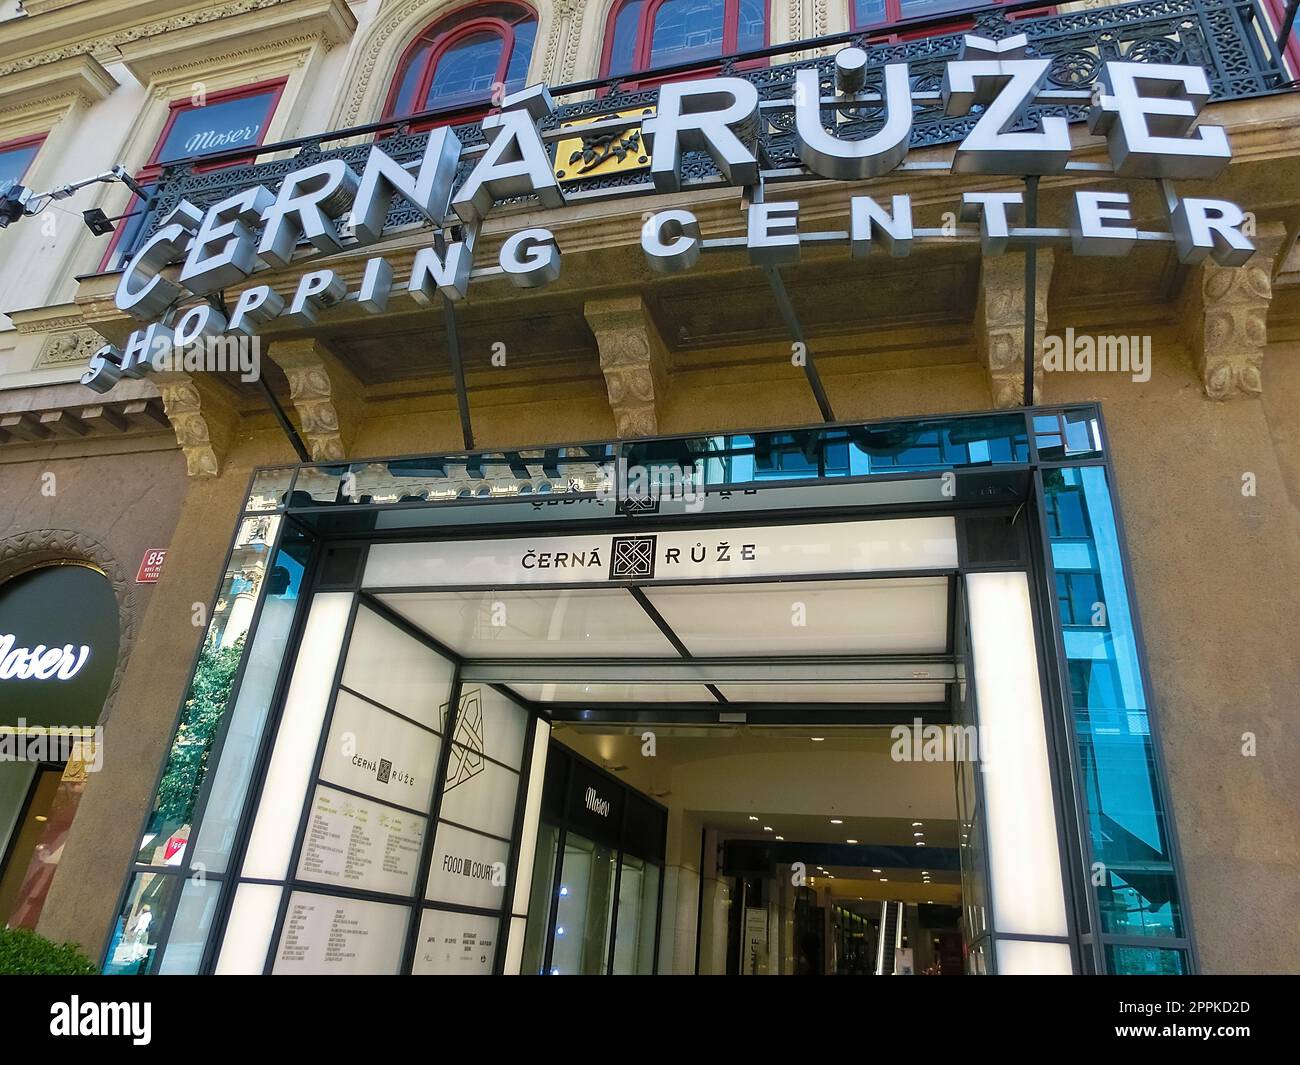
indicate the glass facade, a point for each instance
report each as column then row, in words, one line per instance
column 456, row 797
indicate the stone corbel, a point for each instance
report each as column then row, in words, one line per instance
column 633, row 359
column 326, row 396
column 202, row 416
column 1225, row 318
column 1000, row 324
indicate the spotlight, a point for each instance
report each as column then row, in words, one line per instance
column 97, row 221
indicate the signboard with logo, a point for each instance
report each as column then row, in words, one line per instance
column 694, row 554
column 377, row 753
column 595, row 806
column 468, row 869
column 56, row 664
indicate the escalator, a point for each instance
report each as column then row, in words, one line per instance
column 891, row 921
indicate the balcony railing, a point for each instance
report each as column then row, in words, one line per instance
column 1229, row 38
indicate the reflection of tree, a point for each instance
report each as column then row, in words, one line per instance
column 204, row 706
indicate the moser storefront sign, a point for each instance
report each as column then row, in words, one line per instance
column 1146, row 111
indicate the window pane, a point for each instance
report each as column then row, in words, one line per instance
column 135, row 936
column 1145, row 961
column 1126, row 811
column 586, row 902
column 466, row 71
column 922, row 8
column 37, row 847
column 868, row 12
column 686, row 30
column 752, row 31
column 14, row 163
column 638, row 908
column 622, row 49
column 218, row 127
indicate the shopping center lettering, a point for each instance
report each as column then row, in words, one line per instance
column 1146, row 112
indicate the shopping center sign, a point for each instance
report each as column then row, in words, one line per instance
column 1146, row 111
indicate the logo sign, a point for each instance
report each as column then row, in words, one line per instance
column 1146, row 111
column 595, row 803
column 151, row 566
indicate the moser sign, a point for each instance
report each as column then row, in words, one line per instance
column 1147, row 112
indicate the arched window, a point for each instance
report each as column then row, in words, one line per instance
column 458, row 60
column 647, row 35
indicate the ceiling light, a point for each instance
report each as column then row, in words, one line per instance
column 819, row 739
column 916, row 824
column 884, row 880
column 752, row 817
column 917, row 834
column 877, row 870
column 850, row 841
column 836, row 821
column 780, row 837
column 919, row 843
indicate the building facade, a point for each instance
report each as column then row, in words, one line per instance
column 995, row 484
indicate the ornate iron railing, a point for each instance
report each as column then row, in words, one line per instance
column 1229, row 38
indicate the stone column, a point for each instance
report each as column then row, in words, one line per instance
column 202, row 413
column 326, row 396
column 1000, row 324
column 1225, row 318
column 634, row 360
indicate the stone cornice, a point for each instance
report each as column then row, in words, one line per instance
column 105, row 27
column 80, row 76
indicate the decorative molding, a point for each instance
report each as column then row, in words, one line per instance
column 79, row 77
column 39, row 547
column 633, row 359
column 62, row 349
column 1225, row 318
column 325, row 394
column 202, row 417
column 1000, row 324
column 111, row 41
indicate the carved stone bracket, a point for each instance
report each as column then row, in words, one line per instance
column 202, row 417
column 325, row 394
column 634, row 360
column 1225, row 318
column 1000, row 324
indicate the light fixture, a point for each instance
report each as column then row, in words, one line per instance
column 41, row 817
column 917, row 834
column 850, row 841
column 752, row 817
column 767, row 828
column 916, row 824
column 819, row 739
column 920, row 843
column 780, row 837
column 884, row 880
column 877, row 870
column 836, row 821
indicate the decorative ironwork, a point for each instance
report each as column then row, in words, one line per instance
column 1228, row 38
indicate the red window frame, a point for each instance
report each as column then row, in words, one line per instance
column 152, row 169
column 895, row 27
column 1291, row 48
column 32, row 139
column 440, row 46
column 643, row 76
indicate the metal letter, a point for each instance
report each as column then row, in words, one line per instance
column 317, row 290
column 867, row 219
column 531, row 257
column 255, row 305
column 773, row 233
column 223, row 251
column 376, row 284
column 702, row 116
column 828, row 155
column 671, row 241
column 1090, row 232
column 988, row 147
column 995, row 211
column 1211, row 227
column 168, row 245
column 516, row 163
column 1155, row 105
column 305, row 209
column 428, row 190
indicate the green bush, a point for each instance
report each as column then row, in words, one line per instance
column 24, row 953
